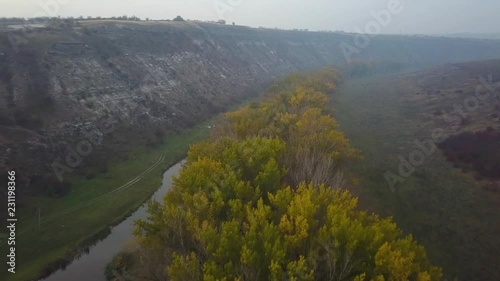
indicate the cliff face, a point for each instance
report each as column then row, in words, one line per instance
column 115, row 84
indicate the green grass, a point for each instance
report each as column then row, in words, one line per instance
column 446, row 211
column 61, row 236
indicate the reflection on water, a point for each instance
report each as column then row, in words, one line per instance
column 91, row 266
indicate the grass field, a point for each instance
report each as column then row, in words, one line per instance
column 75, row 221
column 445, row 210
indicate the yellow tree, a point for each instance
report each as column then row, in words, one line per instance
column 262, row 200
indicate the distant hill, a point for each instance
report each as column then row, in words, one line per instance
column 495, row 36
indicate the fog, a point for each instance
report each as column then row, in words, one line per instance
column 413, row 17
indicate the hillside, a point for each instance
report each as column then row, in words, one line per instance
column 430, row 142
column 144, row 81
column 89, row 107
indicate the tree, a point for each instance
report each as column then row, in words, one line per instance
column 178, row 18
column 251, row 203
column 305, row 233
column 296, row 111
column 317, row 150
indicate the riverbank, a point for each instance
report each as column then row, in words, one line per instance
column 69, row 225
column 92, row 264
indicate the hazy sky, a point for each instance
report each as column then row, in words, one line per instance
column 418, row 16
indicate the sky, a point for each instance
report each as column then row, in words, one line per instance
column 394, row 16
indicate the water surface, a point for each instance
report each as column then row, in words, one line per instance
column 91, row 266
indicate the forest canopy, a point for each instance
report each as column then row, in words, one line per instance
column 264, row 199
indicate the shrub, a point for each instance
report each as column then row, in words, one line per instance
column 178, row 18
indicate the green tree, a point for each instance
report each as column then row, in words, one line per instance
column 304, row 233
column 263, row 200
column 178, row 18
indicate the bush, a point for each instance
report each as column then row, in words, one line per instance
column 51, row 186
column 178, row 18
column 90, row 104
column 116, row 269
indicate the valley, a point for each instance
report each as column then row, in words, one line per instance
column 92, row 113
column 452, row 213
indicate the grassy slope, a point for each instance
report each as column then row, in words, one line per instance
column 56, row 237
column 63, row 234
column 447, row 212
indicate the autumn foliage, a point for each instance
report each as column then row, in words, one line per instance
column 262, row 200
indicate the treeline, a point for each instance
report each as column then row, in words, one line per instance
column 45, row 19
column 12, row 20
column 52, row 20
column 263, row 200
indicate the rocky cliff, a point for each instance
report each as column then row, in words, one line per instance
column 98, row 87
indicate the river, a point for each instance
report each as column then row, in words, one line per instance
column 91, row 266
